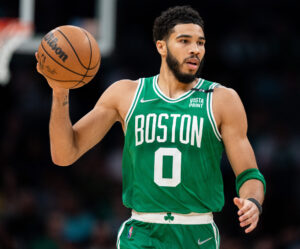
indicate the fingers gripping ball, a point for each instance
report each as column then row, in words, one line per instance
column 69, row 55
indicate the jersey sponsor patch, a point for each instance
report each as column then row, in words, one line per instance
column 196, row 102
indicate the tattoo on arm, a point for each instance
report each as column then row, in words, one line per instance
column 66, row 100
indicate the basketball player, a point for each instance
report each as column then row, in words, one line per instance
column 176, row 126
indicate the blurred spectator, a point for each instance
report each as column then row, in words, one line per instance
column 102, row 237
column 53, row 236
column 78, row 222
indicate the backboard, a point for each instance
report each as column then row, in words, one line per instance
column 101, row 23
column 96, row 16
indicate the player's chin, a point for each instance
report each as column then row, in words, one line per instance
column 191, row 73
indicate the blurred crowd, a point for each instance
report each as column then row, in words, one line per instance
column 253, row 48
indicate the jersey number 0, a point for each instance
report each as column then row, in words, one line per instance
column 176, row 167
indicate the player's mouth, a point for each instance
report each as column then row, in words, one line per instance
column 192, row 63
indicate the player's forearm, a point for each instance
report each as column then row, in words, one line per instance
column 252, row 189
column 62, row 140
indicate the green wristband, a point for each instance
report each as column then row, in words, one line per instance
column 249, row 174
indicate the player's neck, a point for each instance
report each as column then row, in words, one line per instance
column 171, row 86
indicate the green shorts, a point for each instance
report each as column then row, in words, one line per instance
column 135, row 234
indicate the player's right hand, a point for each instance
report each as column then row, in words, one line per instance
column 248, row 214
column 52, row 83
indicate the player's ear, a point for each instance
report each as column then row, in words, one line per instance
column 161, row 46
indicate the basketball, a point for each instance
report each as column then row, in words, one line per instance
column 70, row 55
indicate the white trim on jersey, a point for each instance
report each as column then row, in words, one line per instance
column 134, row 102
column 210, row 113
column 217, row 234
column 175, row 218
column 121, row 231
column 185, row 95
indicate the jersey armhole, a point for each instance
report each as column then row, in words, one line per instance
column 211, row 113
column 134, row 102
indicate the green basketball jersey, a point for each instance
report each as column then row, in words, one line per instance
column 172, row 151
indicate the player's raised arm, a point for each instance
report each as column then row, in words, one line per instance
column 249, row 181
column 69, row 142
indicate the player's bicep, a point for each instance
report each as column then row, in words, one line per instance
column 234, row 133
column 234, row 120
column 91, row 128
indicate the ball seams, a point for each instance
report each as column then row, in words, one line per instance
column 90, row 60
column 74, row 42
column 51, row 78
column 66, row 38
column 45, row 50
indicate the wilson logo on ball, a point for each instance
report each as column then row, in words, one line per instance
column 52, row 42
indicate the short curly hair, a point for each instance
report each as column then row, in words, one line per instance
column 164, row 24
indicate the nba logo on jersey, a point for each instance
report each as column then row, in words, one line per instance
column 130, row 233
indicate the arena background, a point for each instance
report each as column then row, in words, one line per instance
column 252, row 46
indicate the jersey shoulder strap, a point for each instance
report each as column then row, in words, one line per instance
column 134, row 100
column 207, row 86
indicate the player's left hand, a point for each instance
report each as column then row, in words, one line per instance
column 248, row 213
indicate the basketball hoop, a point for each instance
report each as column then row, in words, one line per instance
column 12, row 34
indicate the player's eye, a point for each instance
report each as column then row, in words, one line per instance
column 184, row 41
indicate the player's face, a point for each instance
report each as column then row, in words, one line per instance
column 185, row 52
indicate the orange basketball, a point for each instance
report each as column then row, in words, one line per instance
column 69, row 55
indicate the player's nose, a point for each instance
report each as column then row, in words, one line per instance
column 194, row 49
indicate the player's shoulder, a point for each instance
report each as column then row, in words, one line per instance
column 220, row 90
column 124, row 86
column 126, row 83
column 224, row 96
column 119, row 94
column 223, row 92
column 227, row 101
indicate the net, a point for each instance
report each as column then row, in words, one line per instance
column 12, row 34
